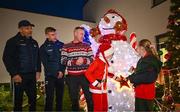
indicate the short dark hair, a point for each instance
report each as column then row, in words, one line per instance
column 49, row 29
column 78, row 27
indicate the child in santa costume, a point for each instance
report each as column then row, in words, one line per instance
column 97, row 75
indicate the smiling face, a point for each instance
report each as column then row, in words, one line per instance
column 107, row 23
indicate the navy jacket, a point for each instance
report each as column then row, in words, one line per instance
column 147, row 70
column 50, row 53
column 21, row 55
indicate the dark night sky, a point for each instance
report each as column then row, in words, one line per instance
column 63, row 8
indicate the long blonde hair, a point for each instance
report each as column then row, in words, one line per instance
column 151, row 50
column 149, row 47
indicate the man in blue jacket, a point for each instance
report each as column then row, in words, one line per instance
column 50, row 53
column 22, row 61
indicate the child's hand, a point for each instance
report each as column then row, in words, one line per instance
column 99, row 85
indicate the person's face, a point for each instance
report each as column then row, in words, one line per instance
column 79, row 35
column 52, row 36
column 26, row 31
column 141, row 51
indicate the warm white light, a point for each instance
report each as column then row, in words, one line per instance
column 120, row 98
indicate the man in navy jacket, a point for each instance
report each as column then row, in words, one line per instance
column 50, row 53
column 22, row 61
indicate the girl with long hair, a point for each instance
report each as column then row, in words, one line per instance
column 145, row 75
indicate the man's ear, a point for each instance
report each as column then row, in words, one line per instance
column 46, row 35
column 75, row 32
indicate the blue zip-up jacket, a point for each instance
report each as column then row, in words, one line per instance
column 21, row 55
column 50, row 53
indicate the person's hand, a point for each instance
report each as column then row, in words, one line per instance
column 60, row 75
column 38, row 75
column 131, row 70
column 79, row 61
column 17, row 78
column 119, row 79
column 99, row 85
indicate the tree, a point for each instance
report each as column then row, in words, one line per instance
column 173, row 48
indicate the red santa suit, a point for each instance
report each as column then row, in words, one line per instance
column 97, row 73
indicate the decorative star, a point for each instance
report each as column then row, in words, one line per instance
column 124, row 82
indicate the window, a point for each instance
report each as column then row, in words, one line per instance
column 161, row 46
column 157, row 2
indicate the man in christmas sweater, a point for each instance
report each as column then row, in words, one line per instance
column 77, row 57
column 97, row 75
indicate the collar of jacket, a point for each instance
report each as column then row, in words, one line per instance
column 23, row 37
column 51, row 42
column 146, row 55
column 76, row 42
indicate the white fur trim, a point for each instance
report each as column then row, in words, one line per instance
column 95, row 83
column 110, row 69
column 101, row 58
column 97, row 91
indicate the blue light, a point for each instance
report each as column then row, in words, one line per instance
column 86, row 37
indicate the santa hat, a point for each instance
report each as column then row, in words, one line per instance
column 105, row 50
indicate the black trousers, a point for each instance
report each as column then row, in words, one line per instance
column 74, row 83
column 143, row 104
column 53, row 86
column 28, row 85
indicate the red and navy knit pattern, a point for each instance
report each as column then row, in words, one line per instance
column 71, row 52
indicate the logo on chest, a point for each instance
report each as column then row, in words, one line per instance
column 50, row 50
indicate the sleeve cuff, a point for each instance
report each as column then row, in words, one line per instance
column 87, row 61
column 110, row 70
column 13, row 73
column 129, row 73
column 95, row 83
column 62, row 68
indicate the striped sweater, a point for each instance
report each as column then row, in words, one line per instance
column 71, row 52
